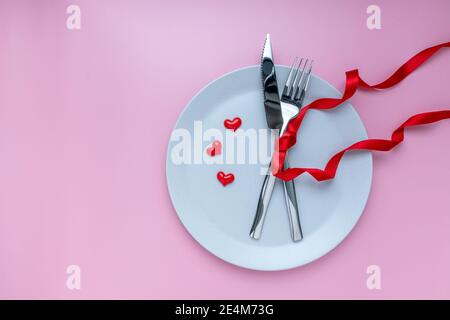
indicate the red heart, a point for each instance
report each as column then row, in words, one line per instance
column 225, row 178
column 215, row 149
column 232, row 124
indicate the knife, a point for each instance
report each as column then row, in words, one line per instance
column 274, row 120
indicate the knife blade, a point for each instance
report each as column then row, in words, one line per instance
column 272, row 103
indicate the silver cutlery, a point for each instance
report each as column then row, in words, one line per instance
column 278, row 114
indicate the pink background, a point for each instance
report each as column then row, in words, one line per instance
column 84, row 126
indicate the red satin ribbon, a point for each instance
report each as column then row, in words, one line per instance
column 353, row 82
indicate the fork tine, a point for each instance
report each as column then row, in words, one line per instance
column 298, row 75
column 302, row 83
column 288, row 84
column 301, row 93
column 308, row 76
column 299, row 79
column 298, row 72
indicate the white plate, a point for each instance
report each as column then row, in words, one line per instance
column 220, row 218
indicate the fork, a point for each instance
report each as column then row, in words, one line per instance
column 291, row 101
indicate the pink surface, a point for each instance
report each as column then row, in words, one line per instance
column 85, row 122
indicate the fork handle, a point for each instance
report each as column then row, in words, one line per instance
column 292, row 207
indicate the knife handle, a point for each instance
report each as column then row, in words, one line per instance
column 263, row 204
column 292, row 207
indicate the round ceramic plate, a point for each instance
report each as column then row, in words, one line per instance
column 219, row 218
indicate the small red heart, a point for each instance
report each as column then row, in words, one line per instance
column 232, row 124
column 215, row 149
column 225, row 178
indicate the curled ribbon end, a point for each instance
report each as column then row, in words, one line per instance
column 353, row 82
